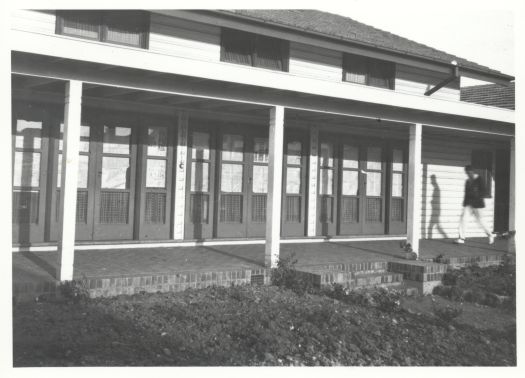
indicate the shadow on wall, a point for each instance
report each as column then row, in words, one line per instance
column 435, row 208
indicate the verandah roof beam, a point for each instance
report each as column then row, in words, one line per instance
column 437, row 87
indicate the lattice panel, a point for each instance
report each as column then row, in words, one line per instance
column 259, row 208
column 293, row 209
column 82, row 206
column 25, row 207
column 326, row 209
column 373, row 209
column 155, row 208
column 350, row 210
column 397, row 209
column 231, row 208
column 114, row 207
column 199, row 204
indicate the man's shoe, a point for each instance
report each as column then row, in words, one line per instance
column 459, row 241
column 491, row 239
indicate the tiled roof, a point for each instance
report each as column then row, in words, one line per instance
column 346, row 29
column 490, row 94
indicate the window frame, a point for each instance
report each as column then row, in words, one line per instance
column 485, row 172
column 253, row 41
column 101, row 17
column 368, row 62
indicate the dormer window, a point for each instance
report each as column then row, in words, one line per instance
column 123, row 27
column 368, row 71
column 254, row 50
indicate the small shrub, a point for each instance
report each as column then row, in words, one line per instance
column 285, row 275
column 74, row 290
column 447, row 313
column 387, row 300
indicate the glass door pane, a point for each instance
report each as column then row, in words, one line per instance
column 231, row 186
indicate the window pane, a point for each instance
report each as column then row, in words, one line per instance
column 294, row 152
column 157, row 141
column 260, row 150
column 350, row 183
column 293, row 180
column 155, row 173
column 381, row 74
column 125, row 27
column 200, row 146
column 260, row 179
column 231, row 178
column 397, row 185
column 199, row 176
column 236, row 47
column 355, row 69
column 327, row 155
column 117, row 140
column 373, row 184
column 28, row 134
column 83, row 169
column 397, row 160
column 269, row 53
column 232, row 147
column 373, row 158
column 115, row 173
column 83, row 24
column 84, row 138
column 326, row 177
column 350, row 157
column 26, row 169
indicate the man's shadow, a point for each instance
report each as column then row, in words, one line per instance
column 435, row 214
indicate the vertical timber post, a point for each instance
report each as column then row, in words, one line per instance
column 312, row 181
column 180, row 176
column 68, row 183
column 414, row 187
column 275, row 175
column 512, row 183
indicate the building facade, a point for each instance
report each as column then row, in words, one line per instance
column 170, row 126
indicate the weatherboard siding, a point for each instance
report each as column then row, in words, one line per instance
column 441, row 208
column 316, row 62
column 184, row 38
column 418, row 81
column 33, row 21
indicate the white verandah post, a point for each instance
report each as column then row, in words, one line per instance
column 68, row 183
column 512, row 183
column 414, row 187
column 180, row 176
column 275, row 173
column 312, row 184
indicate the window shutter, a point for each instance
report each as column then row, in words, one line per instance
column 268, row 53
column 381, row 74
column 125, row 27
column 82, row 24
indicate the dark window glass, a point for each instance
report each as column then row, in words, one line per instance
column 254, row 50
column 237, row 47
column 368, row 71
column 482, row 164
column 124, row 27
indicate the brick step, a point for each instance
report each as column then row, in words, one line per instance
column 377, row 279
column 361, row 267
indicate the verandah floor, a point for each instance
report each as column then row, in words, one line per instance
column 40, row 266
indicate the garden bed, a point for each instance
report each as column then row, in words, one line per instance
column 250, row 326
column 493, row 286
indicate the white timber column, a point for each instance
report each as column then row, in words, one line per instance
column 512, row 183
column 275, row 177
column 414, row 187
column 179, row 204
column 312, row 184
column 68, row 182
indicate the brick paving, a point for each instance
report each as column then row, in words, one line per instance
column 40, row 266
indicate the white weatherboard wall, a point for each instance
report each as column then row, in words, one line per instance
column 175, row 36
column 35, row 21
column 442, row 202
column 316, row 62
column 196, row 40
column 418, row 81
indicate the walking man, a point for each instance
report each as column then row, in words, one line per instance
column 473, row 202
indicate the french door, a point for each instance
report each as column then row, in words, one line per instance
column 352, row 187
column 243, row 183
column 124, row 178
